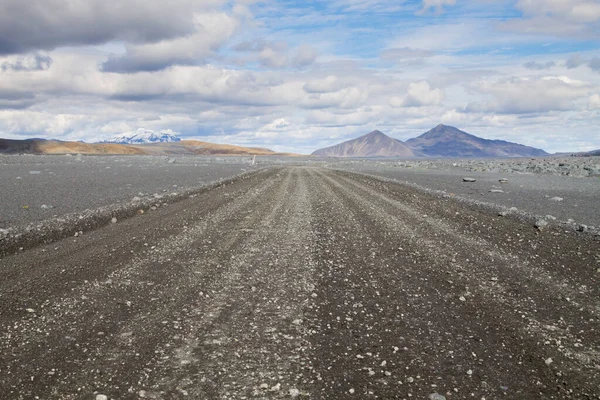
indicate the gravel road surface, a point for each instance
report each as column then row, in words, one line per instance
column 301, row 282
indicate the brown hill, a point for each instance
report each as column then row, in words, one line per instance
column 40, row 146
column 201, row 148
column 374, row 144
column 184, row 147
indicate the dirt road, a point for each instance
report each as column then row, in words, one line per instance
column 307, row 283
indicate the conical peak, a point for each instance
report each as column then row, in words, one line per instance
column 376, row 133
column 443, row 130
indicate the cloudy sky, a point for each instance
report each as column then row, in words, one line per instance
column 296, row 75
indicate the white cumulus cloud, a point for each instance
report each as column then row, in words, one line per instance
column 418, row 94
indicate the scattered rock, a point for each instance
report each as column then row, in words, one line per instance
column 114, row 220
column 496, row 191
column 148, row 394
column 294, row 392
column 469, row 179
column 101, row 397
column 436, row 396
column 541, row 224
column 548, row 361
column 503, row 180
column 556, row 199
column 276, row 388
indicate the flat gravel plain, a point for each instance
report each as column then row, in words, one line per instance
column 39, row 188
column 565, row 197
column 36, row 187
column 304, row 282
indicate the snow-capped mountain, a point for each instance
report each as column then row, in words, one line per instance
column 144, row 136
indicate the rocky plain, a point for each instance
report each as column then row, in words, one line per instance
column 549, row 188
column 274, row 278
column 577, row 167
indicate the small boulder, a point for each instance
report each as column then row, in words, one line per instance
column 541, row 224
column 436, row 396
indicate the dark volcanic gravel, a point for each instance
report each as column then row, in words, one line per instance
column 563, row 197
column 300, row 282
column 35, row 188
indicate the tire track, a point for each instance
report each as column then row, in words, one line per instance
column 446, row 283
column 96, row 311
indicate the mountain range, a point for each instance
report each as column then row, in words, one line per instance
column 182, row 147
column 142, row 136
column 441, row 141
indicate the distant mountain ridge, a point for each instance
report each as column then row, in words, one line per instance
column 448, row 141
column 142, row 136
column 441, row 141
column 183, row 147
column 593, row 153
column 373, row 144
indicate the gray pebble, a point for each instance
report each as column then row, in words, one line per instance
column 436, row 396
column 541, row 224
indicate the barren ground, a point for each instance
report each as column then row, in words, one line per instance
column 309, row 283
